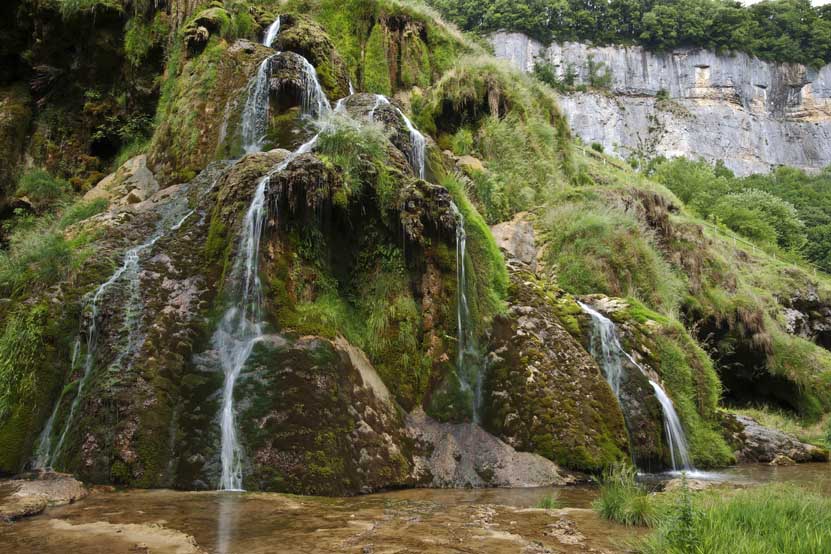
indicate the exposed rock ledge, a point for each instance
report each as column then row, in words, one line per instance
column 690, row 102
column 31, row 493
column 759, row 444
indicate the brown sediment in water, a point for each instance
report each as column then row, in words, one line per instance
column 497, row 521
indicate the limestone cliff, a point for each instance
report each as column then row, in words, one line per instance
column 752, row 114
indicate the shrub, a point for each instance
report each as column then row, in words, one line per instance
column 41, row 188
column 623, row 500
column 597, row 147
column 462, row 142
column 757, row 213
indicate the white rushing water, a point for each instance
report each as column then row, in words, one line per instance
column 241, row 327
column 418, row 143
column 313, row 100
column 255, row 112
column 271, row 34
column 606, row 349
column 469, row 374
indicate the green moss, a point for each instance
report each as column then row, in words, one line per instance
column 376, row 69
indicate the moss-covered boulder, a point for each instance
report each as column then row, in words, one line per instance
column 317, row 419
column 201, row 107
column 543, row 392
column 303, row 36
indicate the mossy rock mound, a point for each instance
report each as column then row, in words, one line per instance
column 543, row 392
column 313, row 424
column 303, row 36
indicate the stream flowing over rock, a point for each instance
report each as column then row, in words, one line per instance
column 754, row 115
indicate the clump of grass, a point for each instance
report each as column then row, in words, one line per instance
column 549, row 502
column 81, row 210
column 762, row 520
column 623, row 499
column 42, row 189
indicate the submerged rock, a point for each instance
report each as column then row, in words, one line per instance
column 758, row 444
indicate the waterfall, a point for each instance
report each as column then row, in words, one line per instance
column 606, row 349
column 351, row 88
column 46, row 455
column 465, row 347
column 675, row 433
column 43, row 454
column 238, row 332
column 241, row 327
column 255, row 112
column 313, row 99
column 418, row 144
column 271, row 34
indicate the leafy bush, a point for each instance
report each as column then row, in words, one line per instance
column 623, row 500
column 762, row 216
column 41, row 188
column 760, row 520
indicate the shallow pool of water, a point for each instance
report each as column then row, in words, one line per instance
column 423, row 520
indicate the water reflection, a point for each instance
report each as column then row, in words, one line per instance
column 227, row 520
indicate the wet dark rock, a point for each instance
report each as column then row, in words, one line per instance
column 305, row 37
column 808, row 315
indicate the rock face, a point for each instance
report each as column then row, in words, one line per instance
column 130, row 184
column 758, row 444
column 752, row 114
column 463, row 455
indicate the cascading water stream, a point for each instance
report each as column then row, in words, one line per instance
column 418, row 144
column 271, row 34
column 46, row 455
column 606, row 349
column 465, row 348
column 255, row 112
column 241, row 327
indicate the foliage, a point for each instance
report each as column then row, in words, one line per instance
column 759, row 520
column 141, row 36
column 39, row 255
column 623, row 500
column 80, row 211
column 758, row 212
column 782, row 30
column 360, row 152
column 516, row 126
column 788, row 208
column 42, row 189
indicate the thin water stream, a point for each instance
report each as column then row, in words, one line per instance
column 606, row 349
